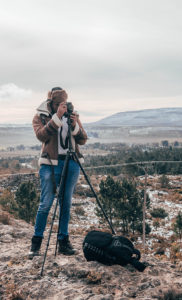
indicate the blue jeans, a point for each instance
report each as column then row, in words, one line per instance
column 47, row 196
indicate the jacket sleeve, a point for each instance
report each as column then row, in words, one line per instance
column 79, row 135
column 44, row 132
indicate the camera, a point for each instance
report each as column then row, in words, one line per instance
column 69, row 109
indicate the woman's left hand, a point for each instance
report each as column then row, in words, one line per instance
column 73, row 118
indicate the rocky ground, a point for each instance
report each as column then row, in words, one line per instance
column 73, row 277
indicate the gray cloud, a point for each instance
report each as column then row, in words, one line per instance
column 126, row 48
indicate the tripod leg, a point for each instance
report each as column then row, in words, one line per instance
column 50, row 231
column 94, row 193
column 61, row 193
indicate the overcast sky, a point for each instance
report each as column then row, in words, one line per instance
column 109, row 55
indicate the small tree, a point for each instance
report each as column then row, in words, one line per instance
column 27, row 201
column 110, row 192
column 176, row 144
column 122, row 202
column 131, row 209
column 165, row 143
column 178, row 225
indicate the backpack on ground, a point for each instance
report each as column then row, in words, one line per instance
column 109, row 250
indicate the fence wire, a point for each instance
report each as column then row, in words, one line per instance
column 138, row 163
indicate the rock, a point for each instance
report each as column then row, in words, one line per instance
column 156, row 282
column 153, row 272
column 160, row 251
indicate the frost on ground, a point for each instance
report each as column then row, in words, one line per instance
column 170, row 200
column 73, row 278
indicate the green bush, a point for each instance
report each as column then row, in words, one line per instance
column 159, row 213
column 122, row 203
column 170, row 294
column 27, row 201
column 139, row 228
column 8, row 202
column 177, row 227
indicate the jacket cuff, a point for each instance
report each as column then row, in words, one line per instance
column 56, row 120
column 76, row 129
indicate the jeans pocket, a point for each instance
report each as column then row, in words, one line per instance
column 44, row 169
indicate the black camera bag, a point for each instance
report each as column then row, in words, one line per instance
column 109, row 250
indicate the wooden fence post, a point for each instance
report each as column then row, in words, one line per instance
column 144, row 210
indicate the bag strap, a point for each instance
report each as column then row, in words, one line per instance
column 137, row 252
column 61, row 140
column 97, row 251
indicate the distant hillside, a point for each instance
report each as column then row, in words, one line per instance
column 14, row 135
column 149, row 125
column 143, row 126
column 149, row 117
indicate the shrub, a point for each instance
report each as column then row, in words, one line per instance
column 139, row 228
column 177, row 227
column 170, row 294
column 122, row 203
column 27, row 201
column 79, row 211
column 159, row 213
column 156, row 224
column 82, row 191
column 4, row 218
column 164, row 181
column 7, row 200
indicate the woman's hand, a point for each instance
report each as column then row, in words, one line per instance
column 62, row 108
column 74, row 118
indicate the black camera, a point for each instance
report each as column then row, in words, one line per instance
column 69, row 109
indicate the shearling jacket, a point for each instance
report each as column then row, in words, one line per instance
column 46, row 127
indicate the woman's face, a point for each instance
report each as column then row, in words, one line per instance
column 56, row 103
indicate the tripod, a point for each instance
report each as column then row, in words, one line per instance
column 71, row 154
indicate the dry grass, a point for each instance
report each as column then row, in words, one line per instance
column 79, row 211
column 12, row 292
column 170, row 294
column 5, row 218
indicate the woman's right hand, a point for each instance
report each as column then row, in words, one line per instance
column 62, row 108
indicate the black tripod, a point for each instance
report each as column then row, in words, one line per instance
column 60, row 194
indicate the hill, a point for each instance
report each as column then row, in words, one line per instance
column 161, row 117
column 143, row 126
column 149, row 125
